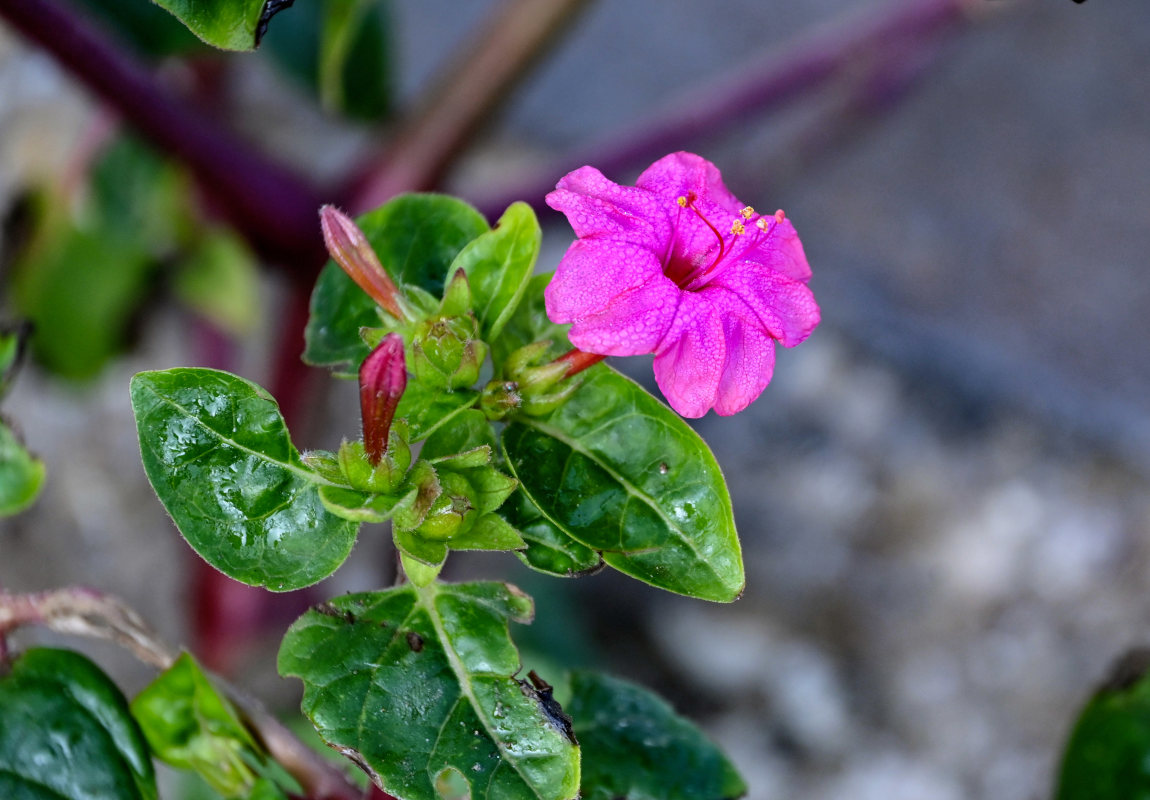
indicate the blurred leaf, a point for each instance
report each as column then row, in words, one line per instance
column 1108, row 752
column 416, row 686
column 340, row 51
column 416, row 236
column 219, row 457
column 66, row 733
column 219, row 279
column 190, row 725
column 226, row 24
column 21, row 474
column 529, row 324
column 85, row 272
column 636, row 747
column 498, row 266
column 621, row 473
column 146, row 26
column 13, row 341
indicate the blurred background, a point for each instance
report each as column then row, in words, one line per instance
column 943, row 495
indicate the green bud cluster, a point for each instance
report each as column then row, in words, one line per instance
column 531, row 384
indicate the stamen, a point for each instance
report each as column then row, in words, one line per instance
column 747, row 212
column 762, row 224
column 737, row 228
column 689, row 202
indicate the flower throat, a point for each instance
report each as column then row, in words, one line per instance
column 697, row 277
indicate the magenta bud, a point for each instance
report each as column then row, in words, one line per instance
column 382, row 379
column 353, row 252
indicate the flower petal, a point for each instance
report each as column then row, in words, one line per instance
column 596, row 206
column 675, row 175
column 633, row 323
column 750, row 357
column 592, row 273
column 785, row 307
column 779, row 249
column 689, row 363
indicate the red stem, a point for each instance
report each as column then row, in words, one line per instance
column 579, row 360
column 272, row 206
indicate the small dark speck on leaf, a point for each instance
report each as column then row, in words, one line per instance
column 328, row 610
column 414, row 641
column 663, row 468
column 552, row 711
column 271, row 8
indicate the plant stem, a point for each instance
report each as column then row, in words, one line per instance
column 579, row 360
column 274, row 208
column 86, row 612
column 767, row 83
column 464, row 94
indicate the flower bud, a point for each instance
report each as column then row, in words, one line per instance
column 451, row 510
column 382, row 379
column 353, row 252
column 499, row 398
column 447, row 352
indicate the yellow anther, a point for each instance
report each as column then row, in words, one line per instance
column 737, row 228
column 762, row 224
column 747, row 212
column 682, row 201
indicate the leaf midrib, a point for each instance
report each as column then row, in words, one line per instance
column 313, row 477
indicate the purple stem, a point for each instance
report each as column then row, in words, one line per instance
column 767, row 83
column 275, row 208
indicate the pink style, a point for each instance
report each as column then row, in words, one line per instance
column 678, row 267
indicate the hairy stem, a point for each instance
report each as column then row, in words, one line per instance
column 86, row 612
column 273, row 207
column 767, row 83
column 464, row 94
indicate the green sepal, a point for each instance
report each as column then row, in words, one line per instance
column 325, row 464
column 427, row 551
column 457, row 299
column 417, row 572
column 357, row 506
column 490, row 532
column 452, row 512
column 388, row 475
column 424, row 479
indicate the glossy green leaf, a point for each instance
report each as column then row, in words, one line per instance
column 190, row 725
column 411, row 683
column 466, row 431
column 1108, row 753
column 621, row 473
column 66, row 733
column 549, row 548
column 21, row 474
column 498, row 266
column 217, row 452
column 490, row 532
column 427, row 408
column 226, row 24
column 529, row 324
column 416, row 236
column 340, row 51
column 638, row 748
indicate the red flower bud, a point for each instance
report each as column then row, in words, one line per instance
column 351, row 250
column 382, row 379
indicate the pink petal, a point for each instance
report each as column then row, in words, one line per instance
column 633, row 323
column 779, row 249
column 785, row 308
column 689, row 363
column 675, row 175
column 750, row 358
column 594, row 272
column 596, row 206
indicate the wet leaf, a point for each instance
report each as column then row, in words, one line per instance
column 21, row 474
column 637, row 747
column 1109, row 748
column 427, row 408
column 549, row 549
column 621, row 473
column 498, row 266
column 529, row 324
column 218, row 454
column 66, row 733
column 190, row 725
column 416, row 236
column 226, row 24
column 412, row 683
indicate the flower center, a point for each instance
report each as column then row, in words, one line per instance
column 689, row 273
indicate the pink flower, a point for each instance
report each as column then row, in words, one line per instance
column 676, row 266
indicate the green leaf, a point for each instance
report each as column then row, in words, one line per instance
column 190, row 725
column 549, row 549
column 498, row 266
column 66, row 733
column 466, row 431
column 416, row 236
column 427, row 408
column 637, row 747
column 13, row 341
column 21, row 474
column 220, row 280
column 362, row 506
column 621, row 473
column 217, row 452
column 490, row 532
column 529, row 324
column 339, row 50
column 1108, row 751
column 226, row 24
column 411, row 683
